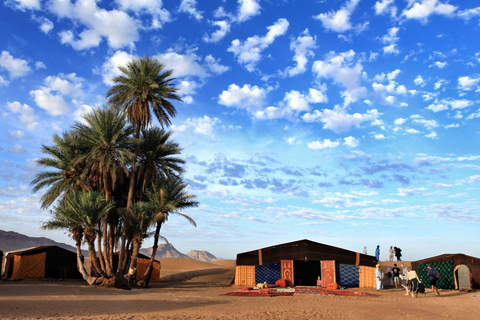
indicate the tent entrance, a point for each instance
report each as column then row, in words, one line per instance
column 462, row 275
column 306, row 273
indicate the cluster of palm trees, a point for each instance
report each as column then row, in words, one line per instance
column 113, row 178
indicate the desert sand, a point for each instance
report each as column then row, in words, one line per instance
column 193, row 290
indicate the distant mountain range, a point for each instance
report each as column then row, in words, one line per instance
column 10, row 241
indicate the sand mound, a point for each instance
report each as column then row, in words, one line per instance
column 181, row 269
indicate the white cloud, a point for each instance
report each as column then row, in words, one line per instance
column 351, row 142
column 379, row 136
column 25, row 4
column 247, row 9
column 27, row 115
column 431, row 135
column 399, row 121
column 419, row 81
column 440, row 64
column 17, row 149
column 81, row 112
column 189, row 7
column 303, row 47
column 338, row 120
column 249, row 52
column 466, row 83
column 116, row 26
column 410, row 191
column 343, row 69
column 46, row 26
column 53, row 103
column 428, row 124
column 15, row 134
column 385, row 7
column 224, row 28
column 412, row 131
column 147, row 7
column 69, row 85
column 247, row 97
column 422, row 9
column 15, row 67
column 338, row 21
column 445, row 104
column 203, row 125
column 110, row 67
column 326, row 143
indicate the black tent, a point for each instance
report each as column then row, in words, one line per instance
column 41, row 262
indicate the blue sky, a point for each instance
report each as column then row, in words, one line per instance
column 351, row 123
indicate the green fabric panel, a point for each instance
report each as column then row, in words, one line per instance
column 445, row 268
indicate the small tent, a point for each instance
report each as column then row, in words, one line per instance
column 458, row 271
column 40, row 262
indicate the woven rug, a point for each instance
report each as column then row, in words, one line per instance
column 258, row 293
column 268, row 273
column 348, row 275
column 325, row 292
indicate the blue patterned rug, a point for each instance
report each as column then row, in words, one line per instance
column 268, row 273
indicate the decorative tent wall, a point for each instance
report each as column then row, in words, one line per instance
column 299, row 263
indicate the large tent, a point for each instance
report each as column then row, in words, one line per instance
column 303, row 262
column 40, row 262
column 458, row 271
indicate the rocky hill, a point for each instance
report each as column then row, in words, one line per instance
column 10, row 240
column 164, row 251
column 204, row 256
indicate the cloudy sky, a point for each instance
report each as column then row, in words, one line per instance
column 351, row 123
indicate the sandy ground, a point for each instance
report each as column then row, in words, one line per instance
column 195, row 292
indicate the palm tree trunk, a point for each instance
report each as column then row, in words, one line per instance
column 90, row 239
column 99, row 248
column 137, row 243
column 106, row 253
column 122, row 257
column 148, row 273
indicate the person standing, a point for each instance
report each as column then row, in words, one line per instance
column 364, row 250
column 413, row 280
column 398, row 253
column 390, row 254
column 388, row 276
column 378, row 275
column 432, row 275
column 404, row 278
column 377, row 253
column 396, row 275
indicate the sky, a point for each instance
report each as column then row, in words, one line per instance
column 351, row 123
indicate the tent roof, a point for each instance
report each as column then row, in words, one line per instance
column 303, row 250
column 458, row 258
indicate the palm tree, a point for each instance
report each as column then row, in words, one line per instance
column 142, row 88
column 168, row 196
column 108, row 140
column 156, row 158
column 67, row 174
column 139, row 222
column 85, row 209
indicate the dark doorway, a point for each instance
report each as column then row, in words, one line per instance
column 306, row 273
